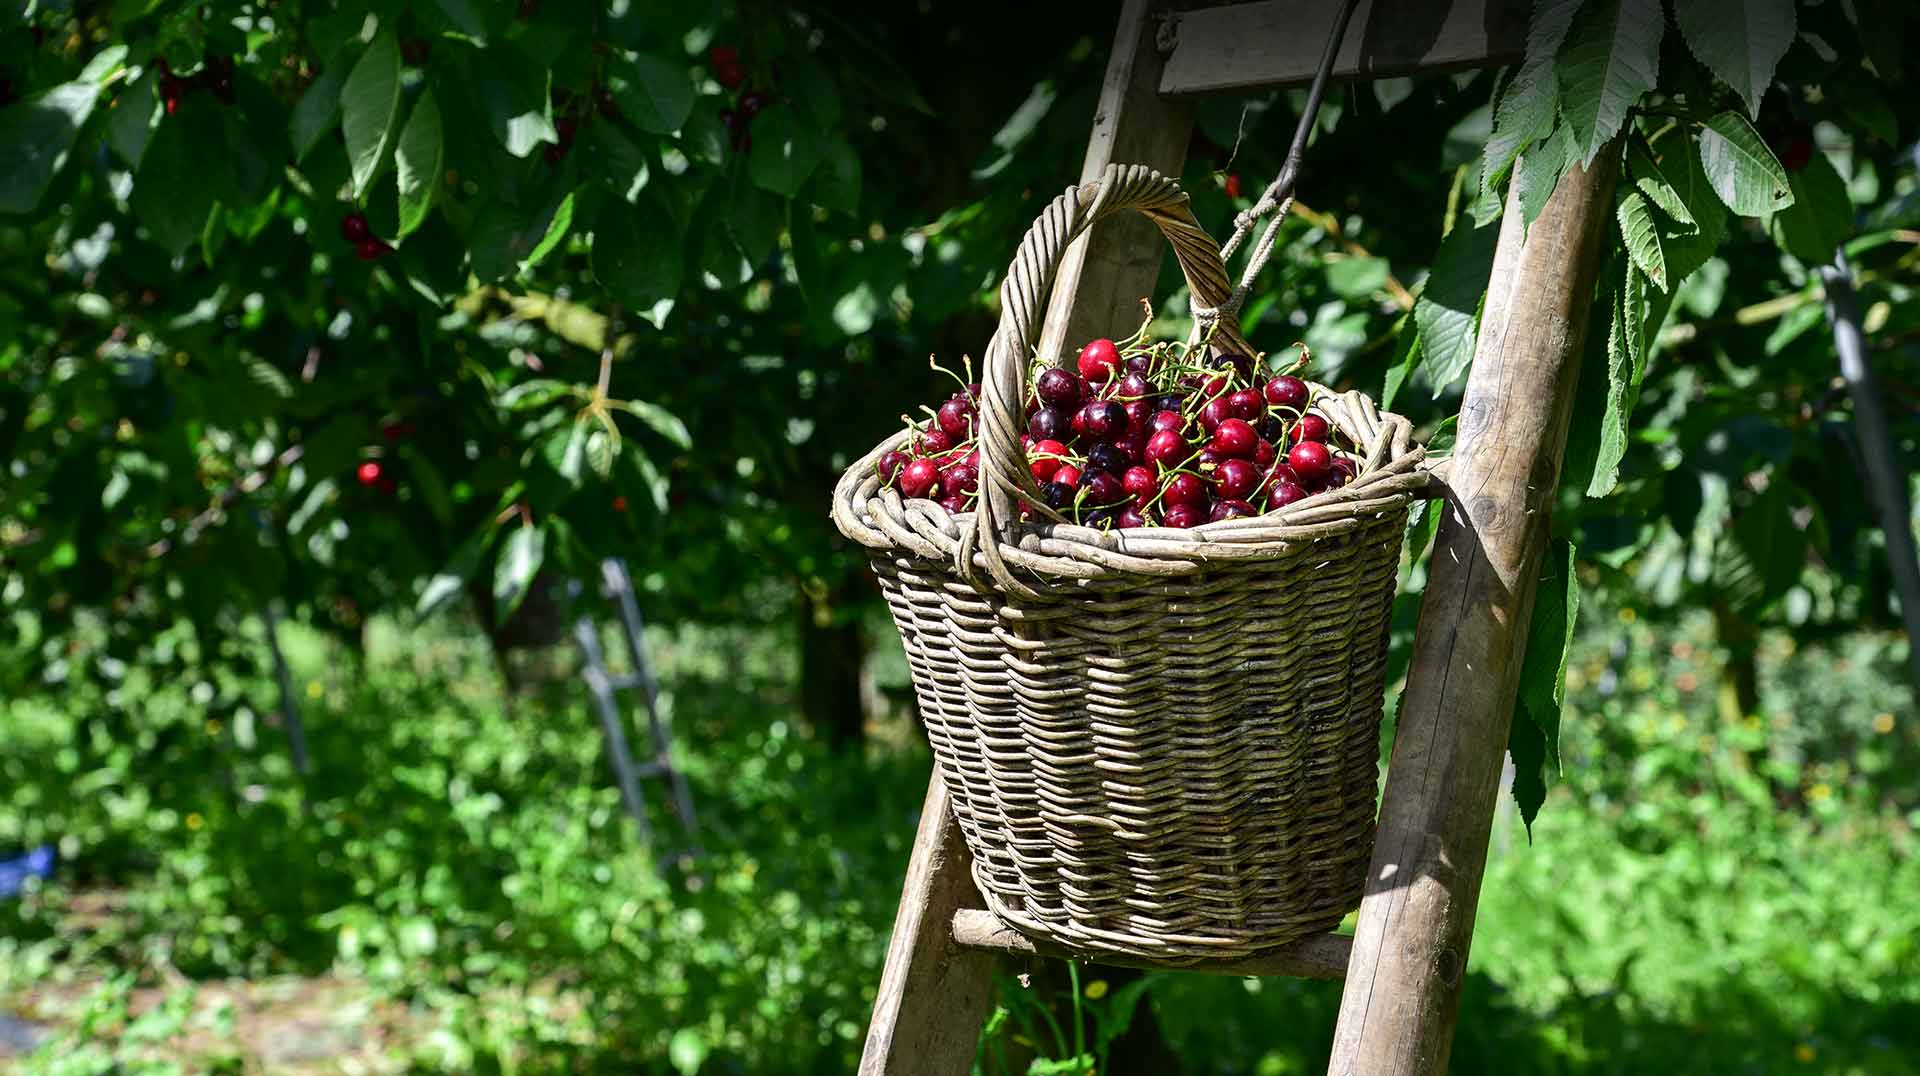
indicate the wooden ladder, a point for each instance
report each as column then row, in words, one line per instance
column 1406, row 961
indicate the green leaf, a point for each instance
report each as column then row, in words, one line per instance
column 1679, row 163
column 104, row 65
column 654, row 93
column 1449, row 304
column 1641, row 234
column 785, row 151
column 514, row 94
column 520, row 558
column 1767, row 552
column 447, row 583
column 370, row 109
column 1821, row 216
column 1356, row 278
column 1645, row 175
column 660, row 420
column 1529, row 103
column 1623, row 385
column 752, row 219
column 1406, row 359
column 468, row 16
column 313, row 114
column 35, row 137
column 418, row 158
column 637, row 253
column 1610, row 57
column 426, row 478
column 171, row 195
column 505, row 237
column 558, row 226
column 572, row 454
column 1543, row 674
column 135, row 113
column 1740, row 41
column 1540, row 171
column 1741, row 169
column 837, row 186
column 618, row 160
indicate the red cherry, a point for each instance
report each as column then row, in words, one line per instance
column 1130, row 517
column 723, row 54
column 954, row 502
column 1045, row 459
column 1231, row 509
column 1234, row 437
column 889, row 466
column 1214, row 413
column 1345, row 469
column 1166, row 420
column 368, row 473
column 1103, row 488
column 1139, row 413
column 619, row 503
column 1134, row 387
column 388, row 487
column 730, row 75
column 1233, row 184
column 960, row 478
column 1105, row 420
column 1283, row 493
column 1264, row 454
column 353, row 227
column 1106, row 457
column 1049, row 422
column 370, row 249
column 1207, row 460
column 955, row 417
column 1247, row 404
column 1287, row 391
column 1167, row 449
column 1184, row 515
column 1236, row 479
column 1311, row 428
column 1067, row 475
column 1215, row 386
column 933, row 442
column 1140, row 364
column 921, row 479
column 1099, row 361
column 1310, row 460
column 1184, row 489
column 1139, row 483
column 1062, row 388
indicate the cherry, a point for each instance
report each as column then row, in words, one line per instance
column 960, row 478
column 1166, row 420
column 619, row 503
column 752, row 102
column 1247, row 404
column 368, row 473
column 1272, row 428
column 921, row 479
column 388, row 487
column 1185, row 489
column 1345, row 469
column 1311, row 428
column 1234, row 437
column 933, row 442
column 1310, row 460
column 1139, row 413
column 1129, row 518
column 1062, row 388
column 730, row 75
column 1207, row 460
column 1103, row 488
column 1140, row 364
column 1287, row 391
column 1233, row 184
column 1106, row 457
column 1067, row 475
column 354, row 228
column 1215, row 386
column 1231, row 509
column 1099, row 360
column 1140, row 484
column 1167, row 449
column 1281, row 472
column 954, row 503
column 1236, row 479
column 1059, row 495
column 1264, row 454
column 955, row 417
column 1105, row 421
column 1172, row 401
column 889, row 466
column 1134, row 387
column 371, row 249
column 1282, row 493
column 1048, row 423
column 1241, row 365
column 1045, row 459
column 1183, row 515
column 1214, row 413
column 1134, row 445
column 1078, row 423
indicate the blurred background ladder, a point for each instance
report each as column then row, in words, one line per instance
column 616, row 586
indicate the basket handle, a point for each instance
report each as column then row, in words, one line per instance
column 1005, row 478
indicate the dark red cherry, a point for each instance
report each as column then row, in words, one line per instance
column 1139, row 413
column 1311, row 428
column 1287, row 391
column 1183, row 515
column 1068, row 474
column 921, row 479
column 1284, row 492
column 1310, row 460
column 1049, row 423
column 954, row 502
column 956, row 418
column 1059, row 495
column 1185, row 489
column 889, row 466
column 1103, row 488
column 960, row 478
column 1236, row 479
column 1062, row 388
column 1232, row 509
column 1099, row 361
column 1247, row 404
column 1106, row 457
column 1264, row 454
column 1106, row 420
column 934, row 441
column 1130, row 517
column 1134, row 387
column 1234, row 437
column 1172, row 401
column 1167, row 449
column 1140, row 364
column 1139, row 483
column 1241, row 365
column 1166, row 420
column 1214, row 413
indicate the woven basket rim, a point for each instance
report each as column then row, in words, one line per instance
column 1392, row 473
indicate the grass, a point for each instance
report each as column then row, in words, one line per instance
column 459, row 885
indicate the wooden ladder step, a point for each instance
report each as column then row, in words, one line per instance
column 1323, row 956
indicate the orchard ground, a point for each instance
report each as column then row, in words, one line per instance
column 461, row 891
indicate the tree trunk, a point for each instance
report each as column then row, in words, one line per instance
column 831, row 654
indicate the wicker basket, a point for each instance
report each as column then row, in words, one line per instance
column 1159, row 743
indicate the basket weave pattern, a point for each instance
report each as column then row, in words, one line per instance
column 1157, row 742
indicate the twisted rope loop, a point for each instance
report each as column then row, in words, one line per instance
column 1005, row 476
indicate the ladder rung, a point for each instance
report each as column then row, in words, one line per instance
column 1323, row 956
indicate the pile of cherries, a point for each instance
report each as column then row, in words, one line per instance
column 1148, row 436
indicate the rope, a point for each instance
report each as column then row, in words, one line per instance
column 1279, row 193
